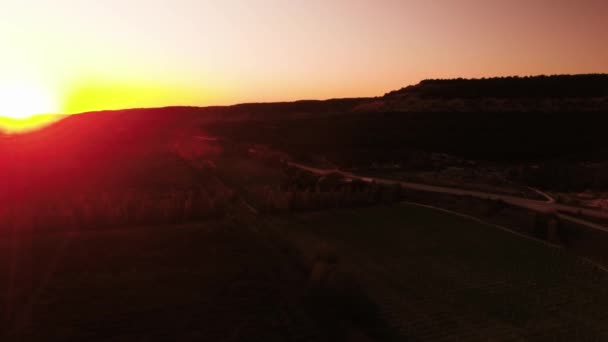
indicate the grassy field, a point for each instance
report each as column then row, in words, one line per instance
column 436, row 276
column 214, row 282
column 403, row 273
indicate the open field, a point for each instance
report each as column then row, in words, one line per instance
column 437, row 276
column 214, row 282
column 424, row 274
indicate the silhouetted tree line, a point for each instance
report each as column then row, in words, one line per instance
column 590, row 85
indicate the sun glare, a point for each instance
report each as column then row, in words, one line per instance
column 21, row 106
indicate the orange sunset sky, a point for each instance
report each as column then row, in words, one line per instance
column 68, row 56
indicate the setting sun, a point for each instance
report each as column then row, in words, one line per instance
column 21, row 106
column 19, row 100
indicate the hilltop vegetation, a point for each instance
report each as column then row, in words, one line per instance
column 555, row 86
column 537, row 94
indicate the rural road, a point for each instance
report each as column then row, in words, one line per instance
column 565, row 212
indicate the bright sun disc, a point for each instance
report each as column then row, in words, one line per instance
column 20, row 106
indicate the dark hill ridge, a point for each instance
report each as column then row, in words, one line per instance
column 550, row 123
column 576, row 86
column 533, row 93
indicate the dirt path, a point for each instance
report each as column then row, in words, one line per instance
column 565, row 212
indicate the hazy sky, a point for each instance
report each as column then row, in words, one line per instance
column 124, row 53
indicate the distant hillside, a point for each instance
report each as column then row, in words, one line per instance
column 581, row 86
column 497, row 118
column 534, row 94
